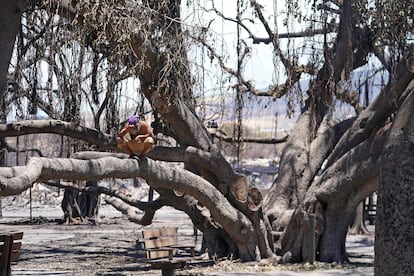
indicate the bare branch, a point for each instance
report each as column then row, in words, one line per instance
column 269, row 39
column 376, row 114
column 126, row 209
column 121, row 200
column 13, row 149
column 275, row 91
column 73, row 130
column 270, row 141
column 288, row 65
column 120, row 194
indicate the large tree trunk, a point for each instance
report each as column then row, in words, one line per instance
column 394, row 243
column 313, row 137
column 80, row 207
column 332, row 241
column 351, row 174
column 171, row 97
column 10, row 16
column 358, row 223
column 333, row 197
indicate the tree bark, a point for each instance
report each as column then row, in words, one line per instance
column 394, row 243
column 376, row 114
column 358, row 224
column 348, row 177
column 10, row 16
column 73, row 130
column 332, row 198
column 332, row 241
column 80, row 207
column 15, row 180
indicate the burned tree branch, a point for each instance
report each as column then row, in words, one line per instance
column 73, row 130
column 17, row 179
column 353, row 170
column 376, row 114
column 126, row 209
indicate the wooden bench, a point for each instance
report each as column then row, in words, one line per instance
column 10, row 244
column 160, row 245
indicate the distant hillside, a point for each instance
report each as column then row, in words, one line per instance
column 266, row 113
column 263, row 113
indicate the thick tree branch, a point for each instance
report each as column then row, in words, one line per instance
column 17, row 179
column 86, row 155
column 376, row 114
column 119, row 194
column 13, row 149
column 348, row 175
column 93, row 136
column 343, row 59
column 271, row 141
column 126, row 209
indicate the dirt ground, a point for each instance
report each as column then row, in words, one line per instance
column 110, row 246
column 104, row 249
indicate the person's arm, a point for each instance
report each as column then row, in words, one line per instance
column 144, row 132
column 123, row 132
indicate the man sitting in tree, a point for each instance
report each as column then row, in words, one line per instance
column 136, row 138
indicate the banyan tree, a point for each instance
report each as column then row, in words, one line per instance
column 331, row 55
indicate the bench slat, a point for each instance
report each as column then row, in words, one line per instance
column 16, row 235
column 14, row 258
column 5, row 250
column 10, row 250
column 160, row 242
column 15, row 254
column 190, row 248
column 157, row 253
column 3, row 238
column 16, row 246
column 156, row 232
